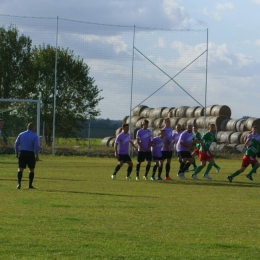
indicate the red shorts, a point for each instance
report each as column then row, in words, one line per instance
column 247, row 159
column 196, row 151
column 205, row 156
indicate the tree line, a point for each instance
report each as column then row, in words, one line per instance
column 28, row 72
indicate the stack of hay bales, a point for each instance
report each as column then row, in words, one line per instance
column 231, row 131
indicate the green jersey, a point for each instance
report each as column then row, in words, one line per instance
column 253, row 148
column 207, row 139
column 197, row 136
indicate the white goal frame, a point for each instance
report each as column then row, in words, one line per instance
column 28, row 101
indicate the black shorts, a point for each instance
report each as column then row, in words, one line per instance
column 26, row 158
column 144, row 156
column 184, row 154
column 155, row 158
column 124, row 158
column 166, row 155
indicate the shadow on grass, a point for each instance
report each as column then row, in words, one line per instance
column 99, row 193
column 210, row 183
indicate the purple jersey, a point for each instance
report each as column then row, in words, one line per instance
column 168, row 136
column 175, row 139
column 157, row 146
column 251, row 136
column 145, row 137
column 123, row 143
column 186, row 138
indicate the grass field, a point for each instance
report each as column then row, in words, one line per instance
column 78, row 212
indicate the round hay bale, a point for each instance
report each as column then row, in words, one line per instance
column 240, row 148
column 208, row 110
column 201, row 131
column 146, row 112
column 225, row 137
column 105, row 141
column 118, row 131
column 172, row 113
column 217, row 120
column 181, row 111
column 199, row 112
column 252, row 121
column 221, row 111
column 134, row 120
column 134, row 132
column 112, row 142
column 156, row 132
column 138, row 109
column 156, row 112
column 244, row 136
column 231, row 125
column 124, row 120
column 223, row 124
column 201, row 122
column 174, row 121
column 191, row 121
column 219, row 147
column 158, row 122
column 235, row 138
column 166, row 111
column 183, row 122
column 190, row 112
column 139, row 122
column 219, row 133
column 240, row 126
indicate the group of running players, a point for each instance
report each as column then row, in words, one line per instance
column 159, row 149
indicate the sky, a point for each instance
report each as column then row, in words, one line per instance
column 233, row 64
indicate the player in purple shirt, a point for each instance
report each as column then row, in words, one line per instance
column 167, row 150
column 175, row 138
column 26, row 149
column 185, row 144
column 122, row 151
column 157, row 144
column 144, row 138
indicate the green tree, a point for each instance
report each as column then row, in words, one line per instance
column 76, row 95
column 15, row 68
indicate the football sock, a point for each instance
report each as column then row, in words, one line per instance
column 117, row 169
column 154, row 169
column 19, row 177
column 147, row 169
column 215, row 165
column 208, row 168
column 129, row 170
column 235, row 174
column 160, row 171
column 181, row 167
column 186, row 166
column 253, row 170
column 194, row 163
column 199, row 168
column 167, row 169
column 137, row 169
column 31, row 177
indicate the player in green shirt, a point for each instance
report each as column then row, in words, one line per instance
column 205, row 154
column 248, row 158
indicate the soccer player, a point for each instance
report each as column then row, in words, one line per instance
column 167, row 150
column 157, row 144
column 255, row 135
column 253, row 147
column 184, row 145
column 205, row 155
column 144, row 138
column 122, row 151
column 26, row 149
column 175, row 138
column 1, row 127
column 197, row 136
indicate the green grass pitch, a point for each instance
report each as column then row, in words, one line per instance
column 78, row 212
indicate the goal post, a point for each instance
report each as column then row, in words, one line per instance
column 28, row 101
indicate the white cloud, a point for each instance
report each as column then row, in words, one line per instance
column 225, row 6
column 257, row 42
column 257, row 2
